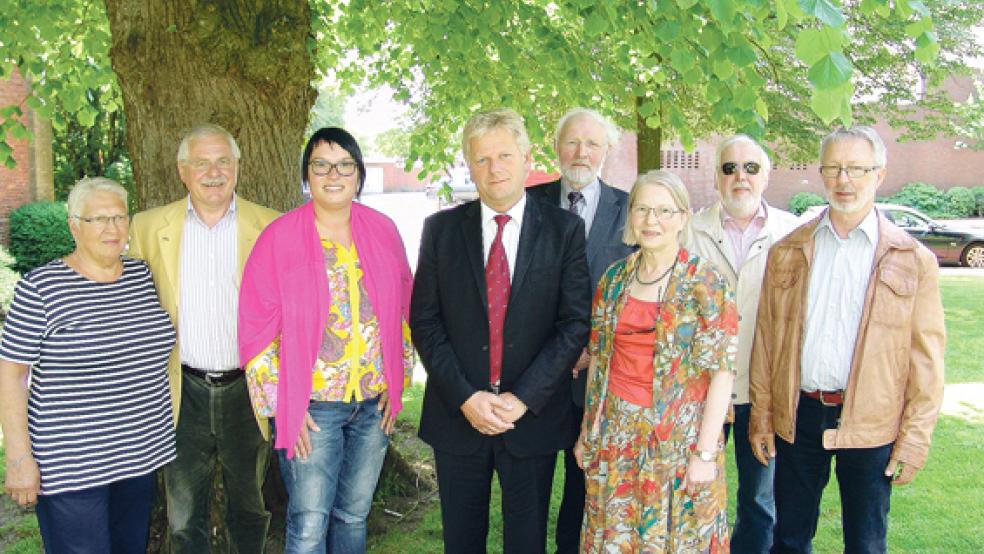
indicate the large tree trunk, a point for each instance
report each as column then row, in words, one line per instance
column 241, row 64
column 648, row 142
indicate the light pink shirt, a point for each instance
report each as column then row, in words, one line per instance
column 741, row 241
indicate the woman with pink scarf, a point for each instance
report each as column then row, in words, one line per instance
column 323, row 313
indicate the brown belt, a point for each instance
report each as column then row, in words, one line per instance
column 827, row 398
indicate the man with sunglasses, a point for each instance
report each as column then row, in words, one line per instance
column 848, row 355
column 735, row 234
column 196, row 248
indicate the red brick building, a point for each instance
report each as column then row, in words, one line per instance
column 941, row 163
column 31, row 179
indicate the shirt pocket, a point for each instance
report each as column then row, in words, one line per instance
column 895, row 293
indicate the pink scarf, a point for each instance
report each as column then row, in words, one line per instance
column 284, row 293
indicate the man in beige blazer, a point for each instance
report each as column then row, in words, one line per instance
column 196, row 248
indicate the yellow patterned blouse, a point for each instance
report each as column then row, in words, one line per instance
column 350, row 360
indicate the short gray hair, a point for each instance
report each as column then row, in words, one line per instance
column 862, row 132
column 612, row 133
column 678, row 191
column 499, row 118
column 205, row 130
column 83, row 189
column 735, row 139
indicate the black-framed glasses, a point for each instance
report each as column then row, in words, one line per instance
column 751, row 168
column 101, row 221
column 853, row 171
column 323, row 168
column 661, row 213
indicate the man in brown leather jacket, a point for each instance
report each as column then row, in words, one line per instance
column 848, row 355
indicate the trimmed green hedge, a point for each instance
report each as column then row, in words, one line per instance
column 38, row 234
column 803, row 200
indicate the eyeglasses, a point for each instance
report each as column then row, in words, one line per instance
column 201, row 165
column 323, row 168
column 853, row 171
column 661, row 213
column 101, row 221
column 751, row 168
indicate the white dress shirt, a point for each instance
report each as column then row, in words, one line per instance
column 839, row 279
column 592, row 194
column 208, row 300
column 510, row 233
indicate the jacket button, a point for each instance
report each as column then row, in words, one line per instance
column 485, row 348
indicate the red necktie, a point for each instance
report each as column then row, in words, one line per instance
column 497, row 290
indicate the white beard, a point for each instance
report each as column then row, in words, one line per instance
column 578, row 176
column 743, row 208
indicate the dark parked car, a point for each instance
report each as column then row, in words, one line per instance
column 952, row 244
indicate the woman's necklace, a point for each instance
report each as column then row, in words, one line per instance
column 656, row 280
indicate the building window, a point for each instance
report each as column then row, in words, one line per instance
column 797, row 167
column 679, row 159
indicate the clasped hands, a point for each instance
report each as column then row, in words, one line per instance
column 492, row 414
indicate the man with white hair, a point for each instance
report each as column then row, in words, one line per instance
column 735, row 234
column 582, row 141
column 196, row 248
column 848, row 355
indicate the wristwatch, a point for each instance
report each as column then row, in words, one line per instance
column 706, row 455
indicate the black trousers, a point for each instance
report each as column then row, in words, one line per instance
column 571, row 515
column 465, row 485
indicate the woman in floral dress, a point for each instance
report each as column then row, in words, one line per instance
column 663, row 343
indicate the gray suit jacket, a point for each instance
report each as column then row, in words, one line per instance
column 605, row 244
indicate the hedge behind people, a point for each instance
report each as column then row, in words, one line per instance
column 39, row 234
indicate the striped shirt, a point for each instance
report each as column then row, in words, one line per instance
column 99, row 405
column 209, row 292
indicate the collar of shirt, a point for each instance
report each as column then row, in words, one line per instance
column 230, row 213
column 515, row 213
column 868, row 227
column 759, row 218
column 591, row 192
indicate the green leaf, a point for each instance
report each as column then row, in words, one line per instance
column 833, row 104
column 647, row 109
column 762, row 109
column 823, row 10
column 918, row 27
column 723, row 10
column 685, row 4
column 723, row 68
column 918, row 6
column 814, row 44
column 745, row 98
column 927, row 48
column 681, row 59
column 742, row 55
column 831, row 71
column 596, row 23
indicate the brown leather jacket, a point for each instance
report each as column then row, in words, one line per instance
column 896, row 382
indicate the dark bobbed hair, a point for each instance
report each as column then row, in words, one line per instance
column 341, row 137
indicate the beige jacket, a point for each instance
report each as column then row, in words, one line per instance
column 155, row 237
column 709, row 241
column 895, row 386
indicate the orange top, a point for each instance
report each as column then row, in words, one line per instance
column 631, row 373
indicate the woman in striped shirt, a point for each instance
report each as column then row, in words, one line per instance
column 84, row 438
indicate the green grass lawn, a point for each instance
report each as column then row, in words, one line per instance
column 939, row 512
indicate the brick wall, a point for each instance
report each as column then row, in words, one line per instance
column 31, row 178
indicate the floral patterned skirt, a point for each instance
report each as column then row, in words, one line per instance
column 634, row 500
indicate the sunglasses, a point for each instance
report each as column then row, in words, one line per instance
column 751, row 168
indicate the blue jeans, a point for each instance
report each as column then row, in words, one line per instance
column 113, row 518
column 755, row 515
column 330, row 493
column 802, row 472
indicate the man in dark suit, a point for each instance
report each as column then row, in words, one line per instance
column 499, row 315
column 583, row 140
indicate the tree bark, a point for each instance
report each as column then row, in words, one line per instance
column 648, row 142
column 241, row 64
